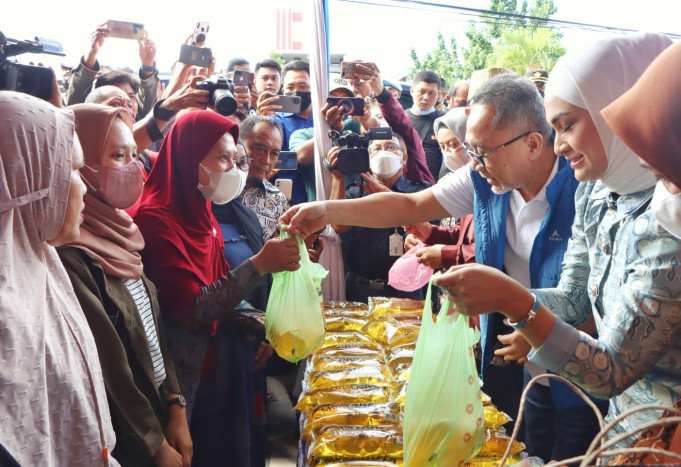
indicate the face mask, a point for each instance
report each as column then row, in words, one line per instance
column 424, row 112
column 666, row 208
column 305, row 99
column 223, row 186
column 385, row 164
column 119, row 187
column 456, row 159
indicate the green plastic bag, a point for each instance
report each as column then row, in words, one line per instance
column 443, row 418
column 294, row 320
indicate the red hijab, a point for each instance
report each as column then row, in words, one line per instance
column 184, row 243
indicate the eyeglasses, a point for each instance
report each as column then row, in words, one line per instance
column 244, row 163
column 480, row 157
column 390, row 147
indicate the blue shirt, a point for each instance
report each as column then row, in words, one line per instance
column 289, row 123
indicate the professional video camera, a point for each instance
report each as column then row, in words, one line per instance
column 221, row 96
column 353, row 157
column 30, row 79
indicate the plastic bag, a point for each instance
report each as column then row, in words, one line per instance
column 443, row 416
column 294, row 319
column 407, row 274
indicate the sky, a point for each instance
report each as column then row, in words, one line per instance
column 383, row 33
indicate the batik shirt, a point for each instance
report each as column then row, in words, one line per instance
column 623, row 268
column 268, row 203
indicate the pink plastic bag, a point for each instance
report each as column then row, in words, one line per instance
column 407, row 274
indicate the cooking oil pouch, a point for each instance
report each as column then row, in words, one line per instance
column 393, row 330
column 357, row 442
column 357, row 463
column 347, row 377
column 494, row 461
column 443, row 416
column 344, row 323
column 400, row 393
column 352, row 414
column 294, row 321
column 357, row 394
column 354, row 349
column 344, row 363
column 496, row 444
column 382, row 306
column 349, row 306
column 494, row 417
column 337, row 338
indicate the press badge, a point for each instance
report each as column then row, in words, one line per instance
column 396, row 244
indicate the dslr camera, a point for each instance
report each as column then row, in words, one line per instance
column 29, row 79
column 221, row 96
column 353, row 157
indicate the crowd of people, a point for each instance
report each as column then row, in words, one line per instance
column 140, row 228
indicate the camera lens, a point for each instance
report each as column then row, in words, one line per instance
column 224, row 102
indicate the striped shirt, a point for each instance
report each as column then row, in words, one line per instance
column 141, row 298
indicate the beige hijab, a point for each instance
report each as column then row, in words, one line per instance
column 648, row 116
column 108, row 234
column 53, row 407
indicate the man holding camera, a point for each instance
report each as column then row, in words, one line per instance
column 372, row 252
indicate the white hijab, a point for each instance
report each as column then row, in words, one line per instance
column 53, row 406
column 592, row 79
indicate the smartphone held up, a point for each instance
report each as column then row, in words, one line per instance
column 125, row 30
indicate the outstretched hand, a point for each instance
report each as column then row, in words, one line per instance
column 306, row 218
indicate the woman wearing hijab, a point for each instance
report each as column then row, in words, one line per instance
column 450, row 131
column 452, row 242
column 118, row 300
column 198, row 164
column 620, row 267
column 53, row 409
column 647, row 119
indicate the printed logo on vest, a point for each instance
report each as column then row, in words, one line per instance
column 556, row 237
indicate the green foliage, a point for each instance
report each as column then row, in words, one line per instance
column 494, row 40
column 276, row 56
column 443, row 60
column 525, row 48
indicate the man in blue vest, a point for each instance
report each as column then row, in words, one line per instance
column 522, row 198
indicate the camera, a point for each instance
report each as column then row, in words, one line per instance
column 221, row 96
column 29, row 79
column 353, row 157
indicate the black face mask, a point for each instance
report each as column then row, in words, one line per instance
column 305, row 99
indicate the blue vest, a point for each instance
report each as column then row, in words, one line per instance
column 546, row 259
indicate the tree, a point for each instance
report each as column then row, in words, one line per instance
column 497, row 38
column 525, row 48
column 443, row 61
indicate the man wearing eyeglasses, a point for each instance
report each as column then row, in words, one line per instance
column 372, row 252
column 522, row 198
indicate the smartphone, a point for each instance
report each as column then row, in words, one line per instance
column 287, row 160
column 290, row 104
column 284, row 185
column 200, row 31
column 348, row 71
column 348, row 105
column 241, row 78
column 125, row 30
column 193, row 55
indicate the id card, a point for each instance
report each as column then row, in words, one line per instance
column 396, row 244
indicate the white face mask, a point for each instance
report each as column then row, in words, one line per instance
column 456, row 159
column 223, row 186
column 666, row 208
column 385, row 164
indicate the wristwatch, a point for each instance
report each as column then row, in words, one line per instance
column 177, row 400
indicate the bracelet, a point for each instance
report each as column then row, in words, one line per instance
column 530, row 314
column 161, row 113
column 143, row 67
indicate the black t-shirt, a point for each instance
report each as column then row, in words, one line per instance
column 430, row 145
